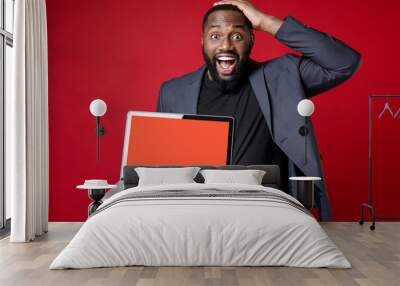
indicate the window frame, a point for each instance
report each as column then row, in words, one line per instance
column 6, row 39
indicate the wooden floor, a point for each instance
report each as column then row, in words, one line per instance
column 375, row 257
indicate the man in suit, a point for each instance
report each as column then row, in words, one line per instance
column 263, row 97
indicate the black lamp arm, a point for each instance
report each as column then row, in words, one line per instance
column 100, row 131
column 303, row 130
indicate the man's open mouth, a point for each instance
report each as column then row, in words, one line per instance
column 226, row 64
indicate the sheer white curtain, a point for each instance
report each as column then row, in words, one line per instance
column 27, row 124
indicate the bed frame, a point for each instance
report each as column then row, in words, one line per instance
column 270, row 179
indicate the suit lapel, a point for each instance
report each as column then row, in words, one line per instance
column 259, row 86
column 193, row 89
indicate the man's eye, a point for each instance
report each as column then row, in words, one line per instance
column 236, row 37
column 214, row 36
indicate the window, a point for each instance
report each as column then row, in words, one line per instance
column 6, row 60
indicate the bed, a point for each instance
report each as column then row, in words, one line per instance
column 201, row 224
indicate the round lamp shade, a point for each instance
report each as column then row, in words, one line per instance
column 305, row 107
column 98, row 107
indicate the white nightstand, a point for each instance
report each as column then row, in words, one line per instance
column 305, row 190
column 96, row 193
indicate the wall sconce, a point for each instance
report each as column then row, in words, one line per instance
column 305, row 184
column 305, row 108
column 98, row 108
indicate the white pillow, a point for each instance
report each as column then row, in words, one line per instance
column 162, row 176
column 248, row 177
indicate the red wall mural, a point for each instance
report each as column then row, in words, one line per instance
column 121, row 51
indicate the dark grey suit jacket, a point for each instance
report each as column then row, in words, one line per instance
column 279, row 85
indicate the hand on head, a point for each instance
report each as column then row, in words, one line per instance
column 254, row 14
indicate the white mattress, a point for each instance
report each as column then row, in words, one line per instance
column 199, row 231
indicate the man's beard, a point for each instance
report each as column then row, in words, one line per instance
column 237, row 76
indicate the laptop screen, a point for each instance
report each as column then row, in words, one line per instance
column 153, row 138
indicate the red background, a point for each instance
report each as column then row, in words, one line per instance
column 121, row 51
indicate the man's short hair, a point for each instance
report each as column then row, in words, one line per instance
column 226, row 7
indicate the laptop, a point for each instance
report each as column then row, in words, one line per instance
column 157, row 138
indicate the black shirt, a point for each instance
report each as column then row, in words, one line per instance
column 252, row 141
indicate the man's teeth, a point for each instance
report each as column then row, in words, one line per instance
column 226, row 62
column 226, row 58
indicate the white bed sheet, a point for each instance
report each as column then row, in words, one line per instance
column 200, row 231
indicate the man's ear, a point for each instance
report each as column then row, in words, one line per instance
column 252, row 39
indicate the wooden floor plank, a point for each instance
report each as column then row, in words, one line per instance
column 374, row 255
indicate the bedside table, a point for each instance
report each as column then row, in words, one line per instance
column 96, row 191
column 305, row 190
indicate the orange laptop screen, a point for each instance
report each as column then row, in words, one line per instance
column 153, row 138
